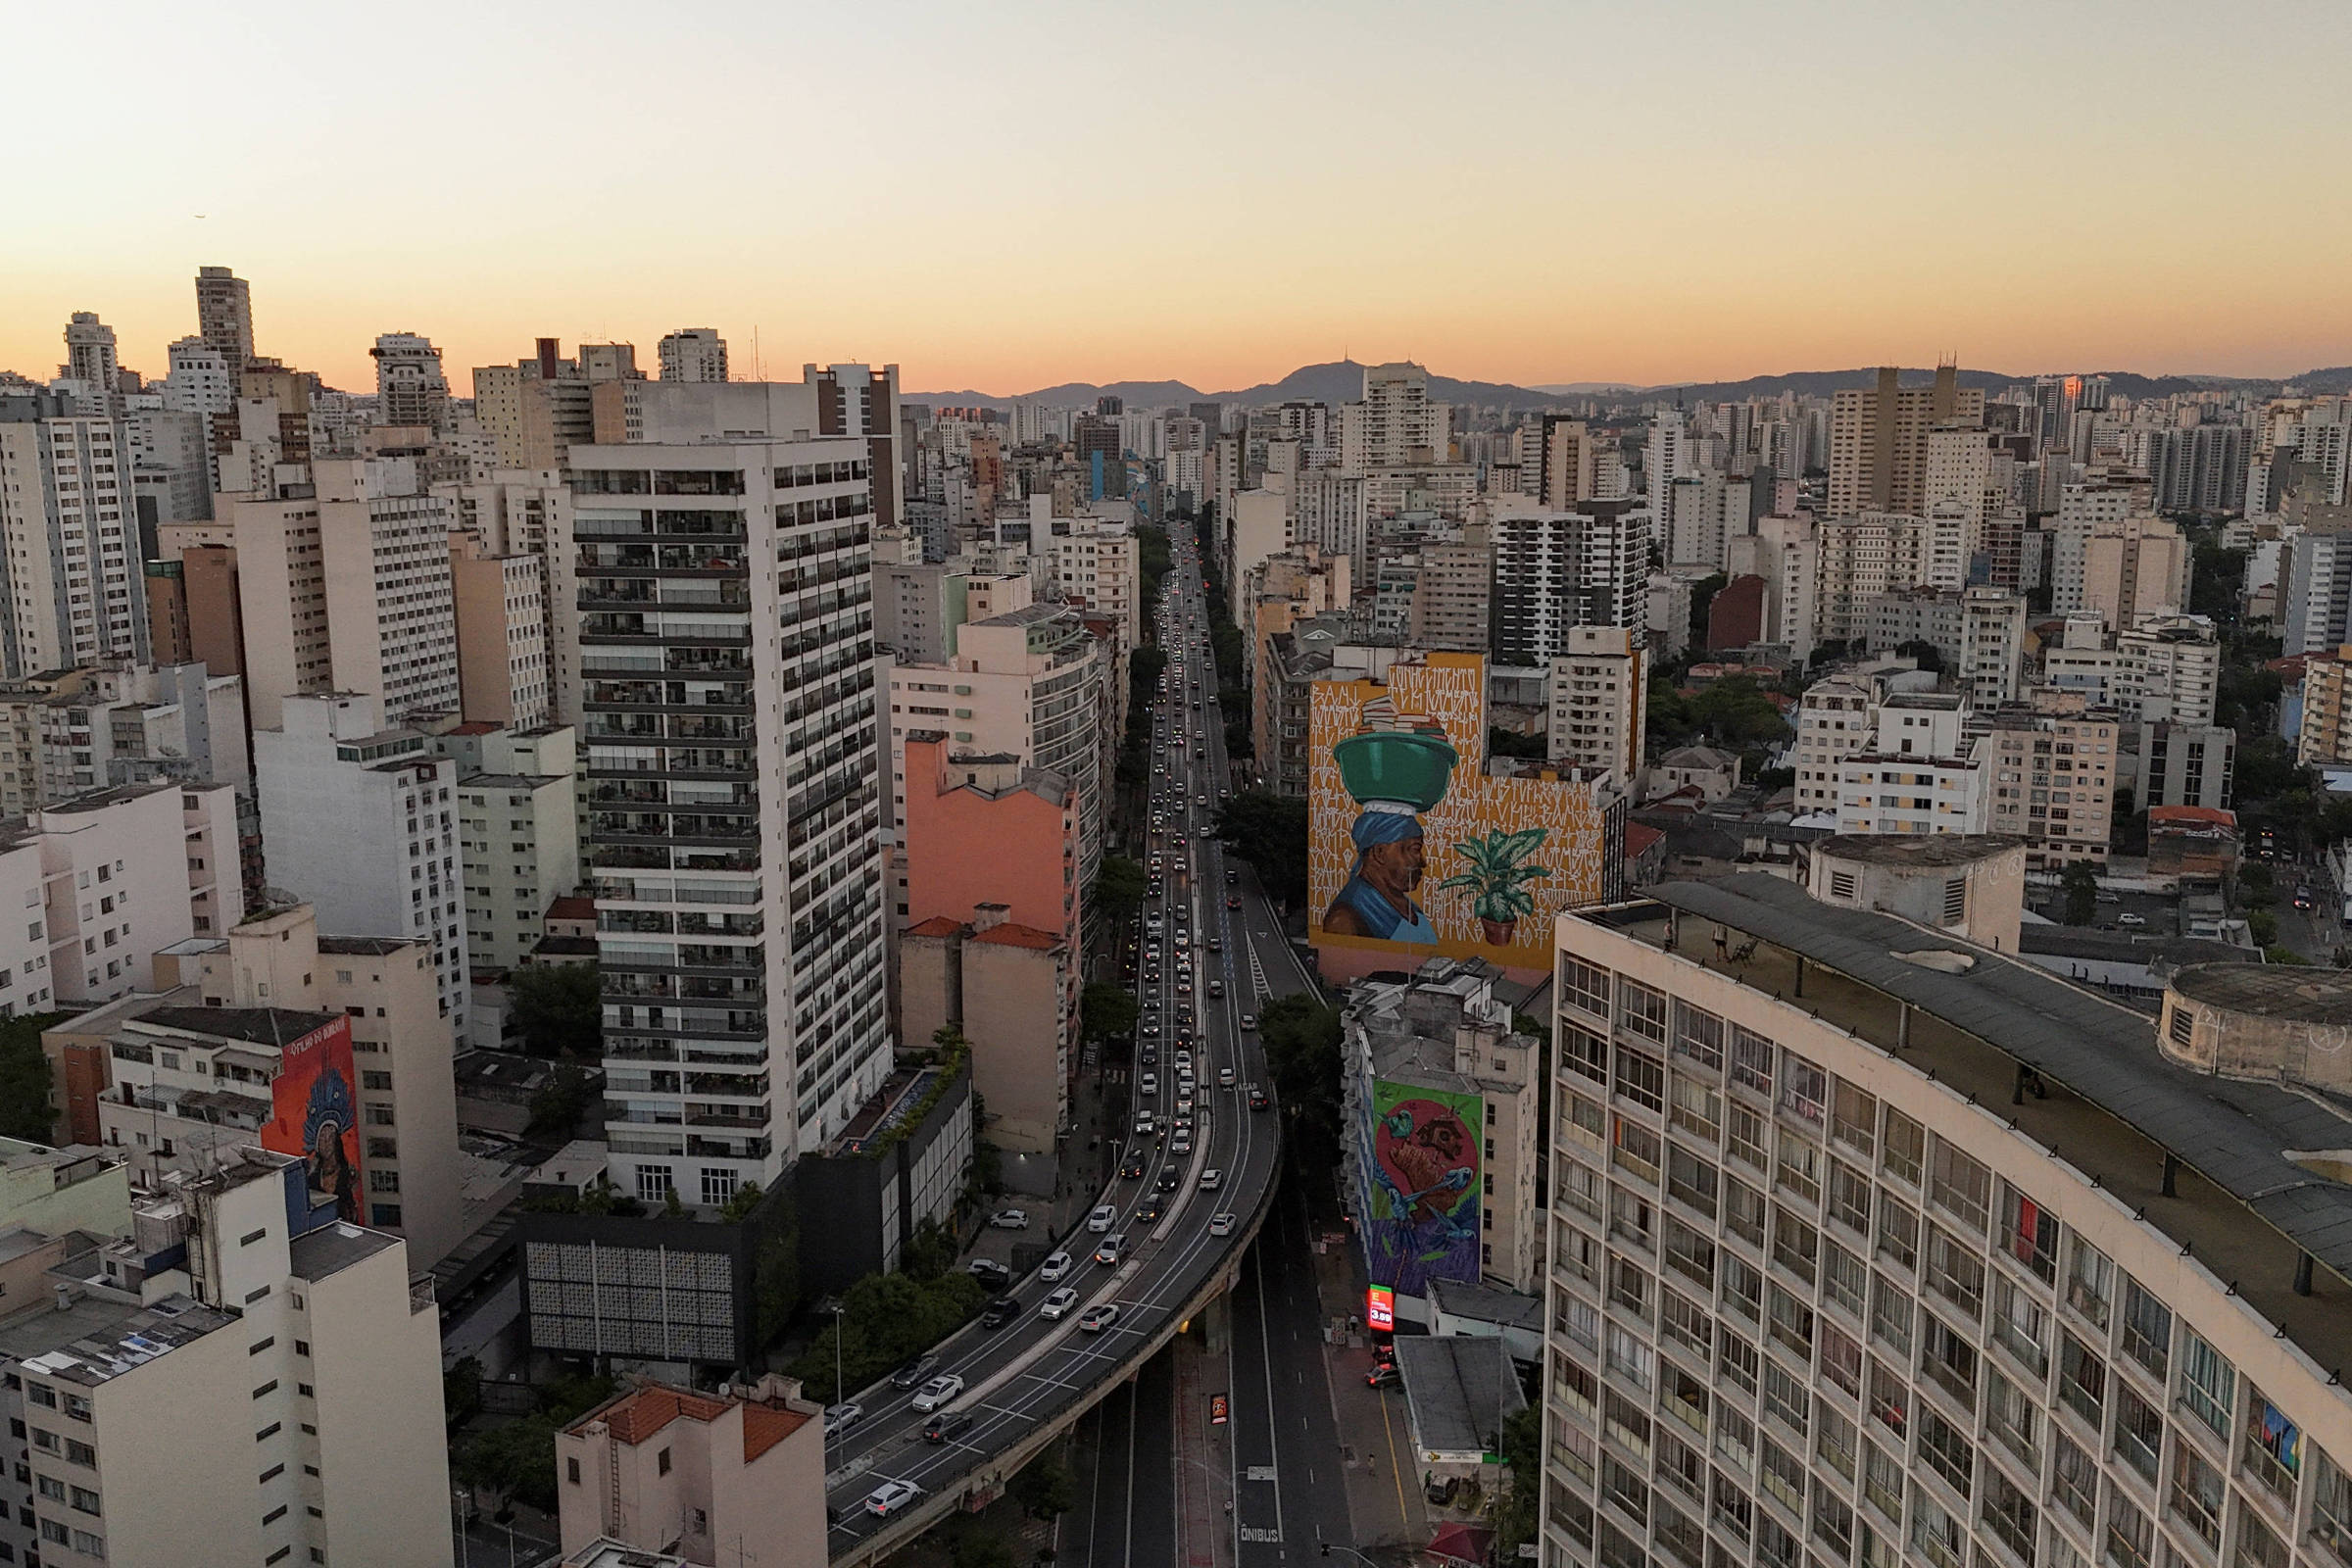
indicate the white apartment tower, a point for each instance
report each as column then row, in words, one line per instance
column 694, row 353
column 1558, row 569
column 92, row 359
column 409, row 386
column 359, row 820
column 1993, row 645
column 1596, row 699
column 725, row 633
column 241, row 1380
column 68, row 523
column 1395, row 424
column 1920, row 772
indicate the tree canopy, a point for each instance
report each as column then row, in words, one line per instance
column 25, row 1078
column 1106, row 1012
column 556, row 1008
column 1300, row 1034
column 1270, row 831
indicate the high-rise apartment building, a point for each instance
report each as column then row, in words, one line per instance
column 1865, row 558
column 694, row 353
column 1938, row 1261
column 1453, row 594
column 410, row 387
column 2168, row 669
column 2054, row 774
column 519, row 834
column 138, row 1365
column 1993, row 645
column 1557, row 569
column 1921, row 771
column 92, row 361
column 2083, row 509
column 69, row 524
column 499, row 614
column 360, row 822
column 225, row 315
column 1395, row 424
column 2200, row 469
column 1558, row 461
column 2135, row 566
column 2326, row 737
column 1878, row 440
column 344, row 585
column 70, row 732
column 2315, row 582
column 725, row 629
column 858, row 400
column 1099, row 566
column 1596, row 701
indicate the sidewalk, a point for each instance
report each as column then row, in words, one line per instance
column 1205, row 1487
column 1385, row 1506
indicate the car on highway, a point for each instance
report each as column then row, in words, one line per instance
column 999, row 1312
column 1212, row 1179
column 1149, row 1083
column 1146, row 1125
column 1132, row 1169
column 1055, row 1265
column 1056, row 1304
column 839, row 1418
column 938, row 1391
column 1181, row 1144
column 947, row 1427
column 991, row 1274
column 1231, row 878
column 914, row 1372
column 1258, row 1099
column 1098, row 1319
column 1009, row 1220
column 890, row 1496
column 1113, row 1248
column 1170, row 1179
column 2304, row 899
column 1248, row 1021
column 1149, row 1211
column 1184, row 1107
column 1105, row 1215
column 1233, row 902
column 1224, row 1077
column 1216, row 987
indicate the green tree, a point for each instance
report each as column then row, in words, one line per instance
column 2278, row 954
column 1929, row 656
column 1670, row 723
column 2263, row 925
column 1046, row 1488
column 1120, row 887
column 1106, row 1012
column 1510, row 743
column 1300, row 1034
column 555, row 1108
column 1737, row 712
column 2257, row 889
column 556, row 1009
column 462, row 1391
column 1702, row 599
column 1515, row 1515
column 975, row 1548
column 25, row 1078
column 2080, row 885
column 514, row 1460
column 885, row 1319
column 1270, row 831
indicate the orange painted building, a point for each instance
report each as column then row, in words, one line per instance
column 988, row 830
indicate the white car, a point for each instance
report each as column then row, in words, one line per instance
column 938, row 1391
column 2128, row 918
column 1212, row 1179
column 1184, row 1058
column 839, row 1418
column 1056, row 1266
column 1222, row 1224
column 1114, row 1248
column 1098, row 1319
column 1150, row 1083
column 1224, row 1077
column 1009, row 1220
column 890, row 1496
column 1057, row 1303
column 1249, row 1020
column 1181, row 1144
column 1103, row 1218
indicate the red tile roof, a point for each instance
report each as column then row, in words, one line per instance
column 765, row 1425
column 571, row 907
column 939, row 925
column 639, row 1415
column 1640, row 838
column 1009, row 935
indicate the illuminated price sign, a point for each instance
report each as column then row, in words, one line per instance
column 1380, row 1307
column 1219, row 1410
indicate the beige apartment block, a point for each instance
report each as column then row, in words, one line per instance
column 1878, row 440
column 499, row 603
column 2135, row 566
column 1007, row 987
column 1597, row 701
column 730, row 1478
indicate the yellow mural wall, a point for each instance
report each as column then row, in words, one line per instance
column 1449, row 692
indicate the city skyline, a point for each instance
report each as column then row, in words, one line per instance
column 1694, row 234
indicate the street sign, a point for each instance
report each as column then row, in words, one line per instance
column 1218, row 1411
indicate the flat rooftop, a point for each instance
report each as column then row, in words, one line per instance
column 2117, row 1105
column 1461, row 1389
column 263, row 1026
column 1916, row 848
column 2278, row 990
column 97, row 1337
column 332, row 1247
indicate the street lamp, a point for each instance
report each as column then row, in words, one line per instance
column 838, row 1309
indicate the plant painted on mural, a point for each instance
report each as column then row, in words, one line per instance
column 1499, row 863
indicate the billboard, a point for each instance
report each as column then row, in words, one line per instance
column 1418, row 846
column 316, row 1100
column 1421, row 1161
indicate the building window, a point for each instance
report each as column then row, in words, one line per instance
column 2208, row 1383
column 2147, row 1329
column 1643, row 1010
column 2031, row 1232
column 2273, row 1456
column 1698, row 1035
column 1751, row 1061
column 1583, row 986
column 654, row 1182
column 718, row 1185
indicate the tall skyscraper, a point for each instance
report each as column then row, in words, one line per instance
column 225, row 315
column 1395, row 424
column 91, row 359
column 69, row 524
column 1558, row 569
column 724, row 624
column 694, row 353
column 1878, row 439
column 409, row 384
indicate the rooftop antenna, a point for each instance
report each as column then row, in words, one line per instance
column 756, row 376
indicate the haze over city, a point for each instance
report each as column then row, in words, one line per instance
column 1008, row 197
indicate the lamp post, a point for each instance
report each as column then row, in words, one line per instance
column 838, row 1390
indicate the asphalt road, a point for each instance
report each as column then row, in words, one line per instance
column 1033, row 1370
column 1292, row 1490
column 1125, row 1467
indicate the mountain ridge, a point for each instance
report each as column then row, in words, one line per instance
column 1342, row 380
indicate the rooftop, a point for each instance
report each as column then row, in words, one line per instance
column 261, row 1026
column 1461, row 1390
column 1009, row 935
column 2270, row 991
column 2117, row 1105
column 331, row 1248
column 99, row 1336
column 1917, row 849
column 368, row 947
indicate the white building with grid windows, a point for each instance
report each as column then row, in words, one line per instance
column 1871, row 1247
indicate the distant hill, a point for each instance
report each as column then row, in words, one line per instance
column 1341, row 381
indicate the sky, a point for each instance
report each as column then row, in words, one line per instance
column 1007, row 196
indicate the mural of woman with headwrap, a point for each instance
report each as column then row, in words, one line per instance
column 1395, row 768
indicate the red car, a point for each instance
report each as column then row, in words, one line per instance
column 1233, row 902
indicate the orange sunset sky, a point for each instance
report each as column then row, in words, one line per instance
column 1004, row 197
